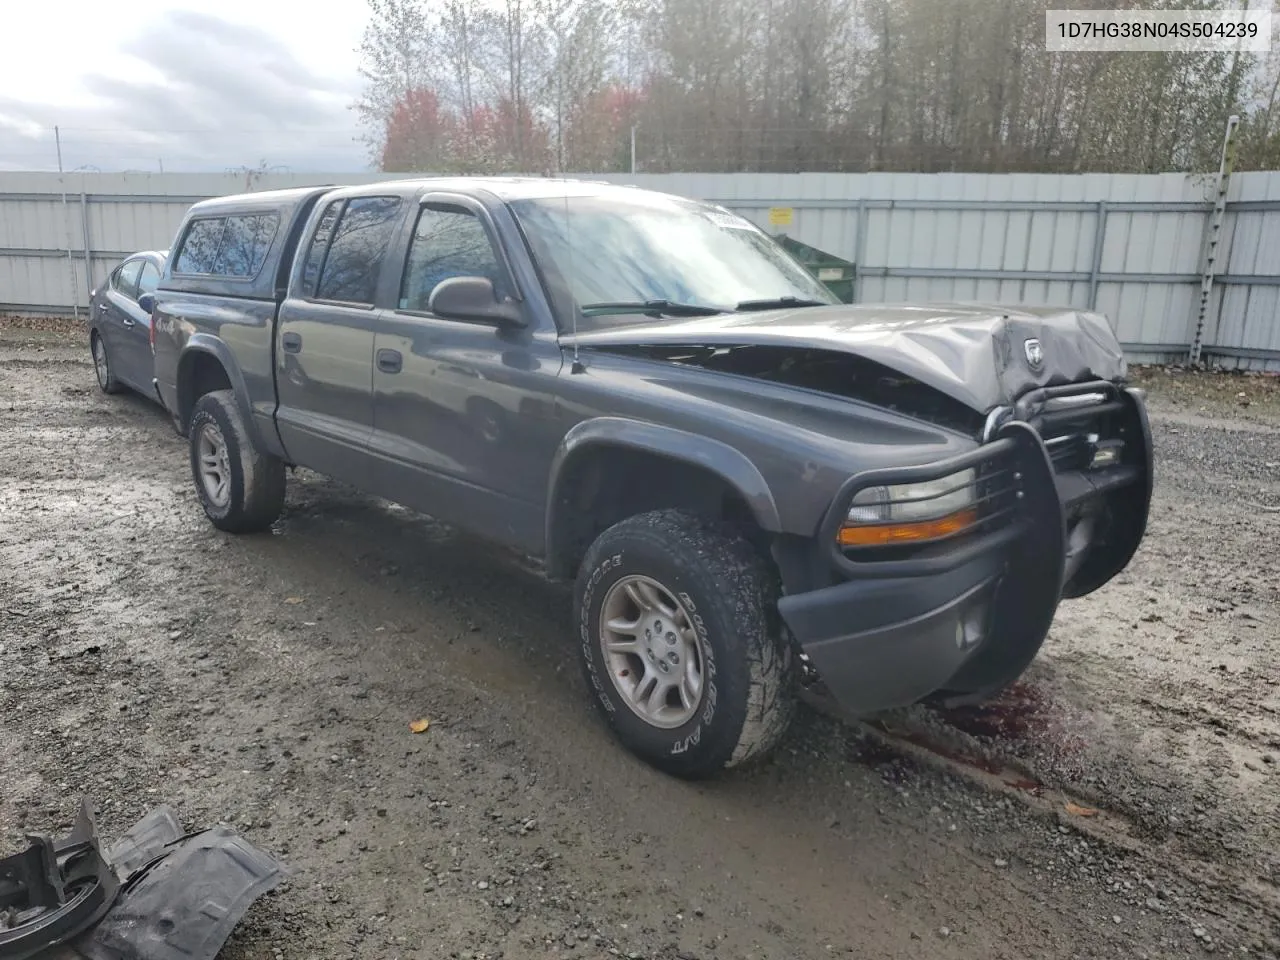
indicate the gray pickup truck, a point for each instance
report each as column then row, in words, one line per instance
column 752, row 484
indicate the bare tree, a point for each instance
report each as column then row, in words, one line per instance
column 794, row 85
column 395, row 61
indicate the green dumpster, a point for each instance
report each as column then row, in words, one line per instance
column 835, row 274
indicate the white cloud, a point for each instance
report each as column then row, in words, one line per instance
column 169, row 83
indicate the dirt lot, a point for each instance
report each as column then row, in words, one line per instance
column 1119, row 803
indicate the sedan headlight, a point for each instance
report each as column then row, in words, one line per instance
column 911, row 512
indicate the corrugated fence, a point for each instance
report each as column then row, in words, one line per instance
column 1130, row 246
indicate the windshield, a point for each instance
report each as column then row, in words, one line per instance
column 606, row 250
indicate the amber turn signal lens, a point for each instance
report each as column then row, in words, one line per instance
column 884, row 534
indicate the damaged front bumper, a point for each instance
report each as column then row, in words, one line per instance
column 967, row 617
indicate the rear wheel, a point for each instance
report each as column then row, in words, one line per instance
column 240, row 488
column 681, row 643
column 107, row 381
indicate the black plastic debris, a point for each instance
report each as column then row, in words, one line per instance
column 186, row 903
column 53, row 891
column 146, row 840
column 156, row 895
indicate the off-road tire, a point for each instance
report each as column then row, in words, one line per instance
column 102, row 369
column 257, row 479
column 730, row 592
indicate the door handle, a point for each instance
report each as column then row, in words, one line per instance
column 291, row 342
column 129, row 321
column 390, row 361
column 102, row 307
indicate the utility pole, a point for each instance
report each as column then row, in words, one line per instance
column 1212, row 235
column 66, row 222
column 560, row 110
column 633, row 149
column 88, row 256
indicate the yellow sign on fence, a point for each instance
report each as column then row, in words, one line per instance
column 780, row 216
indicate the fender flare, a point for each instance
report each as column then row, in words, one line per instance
column 212, row 346
column 728, row 463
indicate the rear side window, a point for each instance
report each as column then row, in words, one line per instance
column 349, row 270
column 319, row 247
column 200, row 246
column 246, row 241
column 227, row 246
column 126, row 281
column 447, row 242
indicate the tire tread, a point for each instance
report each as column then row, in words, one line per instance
column 747, row 580
column 263, row 476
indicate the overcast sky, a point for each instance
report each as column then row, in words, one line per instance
column 190, row 85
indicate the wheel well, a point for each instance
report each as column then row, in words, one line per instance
column 198, row 374
column 607, row 484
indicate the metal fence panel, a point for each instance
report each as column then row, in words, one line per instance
column 1128, row 244
column 1247, row 333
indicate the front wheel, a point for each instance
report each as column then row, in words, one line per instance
column 681, row 643
column 240, row 487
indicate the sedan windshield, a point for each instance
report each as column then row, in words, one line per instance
column 610, row 257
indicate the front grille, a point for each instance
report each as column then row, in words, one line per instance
column 1074, row 421
column 1069, row 451
column 997, row 490
column 1078, row 425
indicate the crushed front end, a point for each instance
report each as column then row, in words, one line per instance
column 945, row 577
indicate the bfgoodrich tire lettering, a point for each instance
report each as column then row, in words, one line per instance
column 729, row 593
column 240, row 488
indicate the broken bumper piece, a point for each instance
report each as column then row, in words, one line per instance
column 51, row 892
column 156, row 895
column 184, row 904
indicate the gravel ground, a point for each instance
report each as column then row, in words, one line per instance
column 270, row 681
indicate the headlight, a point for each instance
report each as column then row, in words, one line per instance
column 911, row 512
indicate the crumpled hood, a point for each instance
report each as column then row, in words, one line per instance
column 979, row 354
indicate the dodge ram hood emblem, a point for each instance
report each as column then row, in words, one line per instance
column 1034, row 352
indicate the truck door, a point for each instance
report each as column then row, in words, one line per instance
column 463, row 412
column 324, row 339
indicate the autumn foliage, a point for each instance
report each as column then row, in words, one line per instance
column 422, row 135
column 419, row 134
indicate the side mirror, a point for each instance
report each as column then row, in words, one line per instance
column 473, row 298
column 147, row 302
